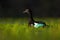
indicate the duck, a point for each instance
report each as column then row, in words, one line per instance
column 31, row 21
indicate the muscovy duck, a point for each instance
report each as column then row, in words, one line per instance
column 32, row 22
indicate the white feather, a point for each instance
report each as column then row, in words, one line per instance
column 36, row 25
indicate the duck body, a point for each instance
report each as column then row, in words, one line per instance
column 39, row 24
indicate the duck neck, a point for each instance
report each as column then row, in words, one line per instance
column 31, row 17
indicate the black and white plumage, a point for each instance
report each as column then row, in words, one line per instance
column 32, row 22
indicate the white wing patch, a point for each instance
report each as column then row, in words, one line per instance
column 36, row 25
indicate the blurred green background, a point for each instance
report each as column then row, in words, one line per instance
column 17, row 29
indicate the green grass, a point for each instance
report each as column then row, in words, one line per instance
column 17, row 29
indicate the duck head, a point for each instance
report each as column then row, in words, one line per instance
column 27, row 11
